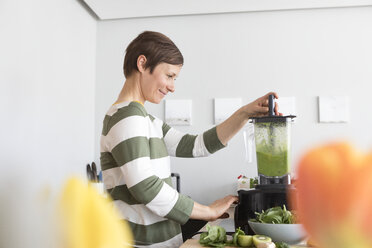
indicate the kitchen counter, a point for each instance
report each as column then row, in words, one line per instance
column 194, row 243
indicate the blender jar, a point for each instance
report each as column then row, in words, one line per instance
column 272, row 141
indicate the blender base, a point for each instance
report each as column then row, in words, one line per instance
column 258, row 199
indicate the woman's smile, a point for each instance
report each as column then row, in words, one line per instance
column 163, row 92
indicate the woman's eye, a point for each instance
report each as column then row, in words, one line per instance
column 169, row 76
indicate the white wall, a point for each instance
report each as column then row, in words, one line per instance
column 47, row 75
column 302, row 53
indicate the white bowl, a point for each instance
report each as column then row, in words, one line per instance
column 288, row 233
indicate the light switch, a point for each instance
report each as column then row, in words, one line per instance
column 333, row 109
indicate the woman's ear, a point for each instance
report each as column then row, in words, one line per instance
column 141, row 63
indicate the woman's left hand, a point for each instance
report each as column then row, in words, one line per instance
column 260, row 107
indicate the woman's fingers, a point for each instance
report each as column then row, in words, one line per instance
column 222, row 205
column 233, row 199
column 230, row 199
column 224, row 216
column 259, row 107
column 271, row 93
column 262, row 110
column 276, row 109
column 265, row 102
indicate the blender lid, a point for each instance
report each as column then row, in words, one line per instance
column 274, row 118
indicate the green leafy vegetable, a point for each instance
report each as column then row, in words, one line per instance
column 203, row 240
column 275, row 215
column 253, row 182
column 215, row 236
column 281, row 245
column 238, row 232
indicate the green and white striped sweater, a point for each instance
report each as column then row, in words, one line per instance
column 135, row 150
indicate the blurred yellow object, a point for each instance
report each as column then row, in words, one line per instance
column 333, row 200
column 89, row 220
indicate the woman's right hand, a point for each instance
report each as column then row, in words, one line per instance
column 215, row 210
column 260, row 107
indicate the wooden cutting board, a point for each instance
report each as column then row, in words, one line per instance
column 193, row 243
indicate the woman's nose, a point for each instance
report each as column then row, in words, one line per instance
column 171, row 87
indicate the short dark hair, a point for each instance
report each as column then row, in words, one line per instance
column 156, row 47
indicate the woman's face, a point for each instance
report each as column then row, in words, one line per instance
column 156, row 85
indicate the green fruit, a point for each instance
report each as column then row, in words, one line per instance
column 259, row 239
column 245, row 240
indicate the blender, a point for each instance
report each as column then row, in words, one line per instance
column 272, row 141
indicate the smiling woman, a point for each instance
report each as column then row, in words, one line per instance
column 136, row 147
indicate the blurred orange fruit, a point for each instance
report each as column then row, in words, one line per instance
column 334, row 196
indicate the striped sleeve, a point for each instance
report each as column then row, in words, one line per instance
column 133, row 146
column 185, row 145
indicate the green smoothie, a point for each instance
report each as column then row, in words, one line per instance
column 273, row 164
column 272, row 148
